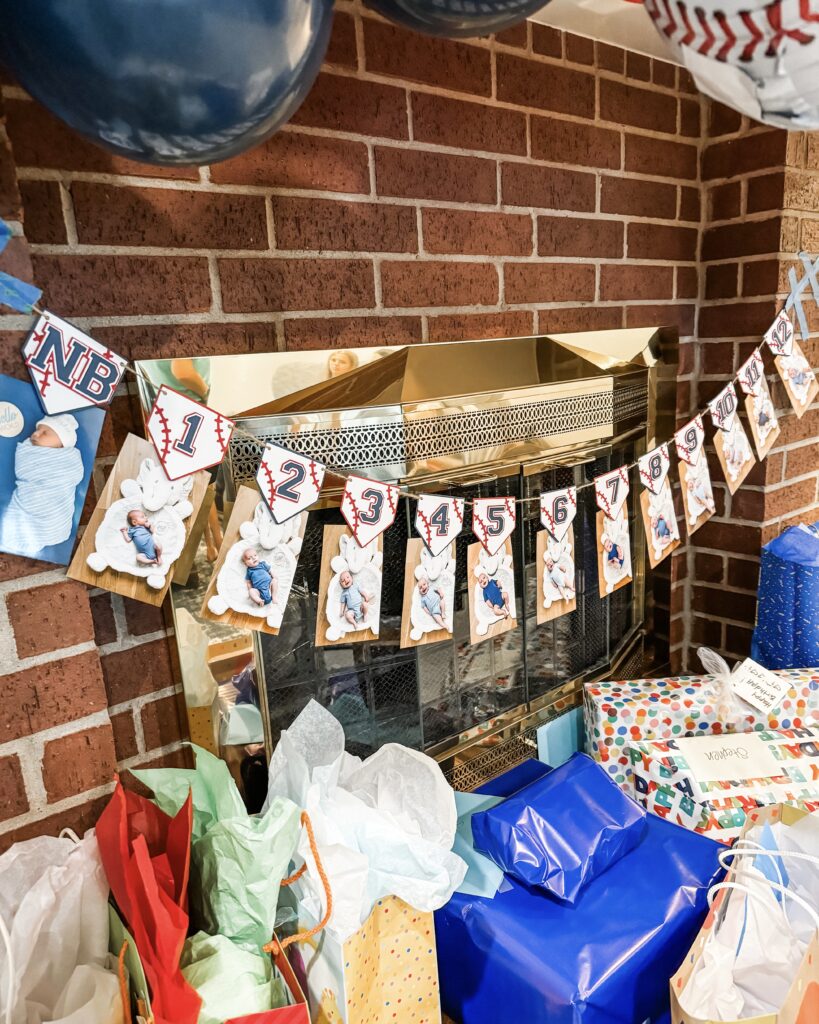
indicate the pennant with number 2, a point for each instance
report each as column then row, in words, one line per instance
column 187, row 435
column 289, row 482
column 368, row 507
column 493, row 521
column 438, row 521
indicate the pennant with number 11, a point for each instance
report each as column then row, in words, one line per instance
column 758, row 403
column 438, row 521
column 613, row 541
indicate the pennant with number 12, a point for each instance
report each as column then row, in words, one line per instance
column 187, row 435
column 438, row 521
column 289, row 482
column 613, row 541
column 368, row 507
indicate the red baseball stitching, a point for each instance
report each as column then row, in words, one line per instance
column 426, row 525
column 221, row 439
column 391, row 499
column 165, row 431
column 314, row 475
column 271, row 483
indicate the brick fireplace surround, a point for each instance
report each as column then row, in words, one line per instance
column 426, row 190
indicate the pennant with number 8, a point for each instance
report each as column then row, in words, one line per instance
column 289, row 482
column 493, row 520
column 557, row 511
column 438, row 521
column 187, row 435
column 368, row 507
column 689, row 440
column 611, row 490
column 654, row 468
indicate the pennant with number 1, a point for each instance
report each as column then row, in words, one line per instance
column 493, row 521
column 438, row 521
column 289, row 482
column 187, row 435
column 758, row 403
column 368, row 507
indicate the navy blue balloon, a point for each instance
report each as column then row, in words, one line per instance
column 167, row 81
column 457, row 19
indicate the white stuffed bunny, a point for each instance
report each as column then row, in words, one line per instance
column 616, row 533
column 363, row 564
column 496, row 567
column 558, row 572
column 166, row 505
column 700, row 497
column 436, row 576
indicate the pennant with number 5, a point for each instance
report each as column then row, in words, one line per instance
column 289, row 482
column 758, row 403
column 368, row 507
column 653, row 468
column 438, row 521
column 557, row 511
column 187, row 435
column 493, row 521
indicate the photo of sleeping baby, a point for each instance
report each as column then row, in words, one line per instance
column 429, row 595
column 255, row 568
column 555, row 561
column 734, row 452
column 613, row 551
column 45, row 468
column 349, row 597
column 491, row 582
column 762, row 418
column 799, row 379
column 140, row 527
column 697, row 493
column 660, row 521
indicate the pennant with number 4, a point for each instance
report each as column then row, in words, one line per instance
column 493, row 520
column 758, row 403
column 289, row 482
column 653, row 468
column 187, row 435
column 368, row 507
column 557, row 511
column 438, row 521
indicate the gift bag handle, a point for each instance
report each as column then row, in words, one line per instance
column 124, row 992
column 275, row 946
column 751, row 891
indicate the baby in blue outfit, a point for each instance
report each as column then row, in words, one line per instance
column 262, row 585
column 140, row 533
column 432, row 601
column 497, row 600
column 355, row 602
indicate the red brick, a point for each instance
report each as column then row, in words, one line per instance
column 410, row 56
column 571, row 142
column 669, row 315
column 780, row 501
column 686, row 356
column 415, row 174
column 664, row 74
column 327, row 224
column 709, row 568
column 650, row 156
column 102, row 614
column 579, row 49
column 43, row 212
column 745, row 239
column 739, row 156
column 473, row 326
column 167, row 341
column 748, row 504
column 722, row 120
column 688, row 283
column 741, row 539
column 122, row 419
column 137, row 671
column 725, row 200
column 802, row 460
column 517, row 35
column 721, row 281
column 622, row 103
column 711, row 601
column 760, row 277
column 141, row 618
column 79, row 818
column 13, row 567
column 638, row 67
column 342, row 46
column 740, row 320
column 547, row 40
column 738, row 639
column 448, row 122
column 346, row 104
column 16, row 260
column 293, row 160
column 351, row 332
column 13, row 799
column 743, row 573
column 766, row 192
column 438, row 283
column 610, row 58
column 531, row 83
column 574, row 236
column 690, row 118
column 690, row 206
column 48, row 695
column 550, row 188
column 179, row 758
column 706, row 631
column 579, row 318
column 636, row 282
column 479, row 234
column 80, row 761
column 125, row 741
column 630, row 195
column 13, row 366
column 50, row 617
column 717, row 357
column 548, row 282
column 10, row 202
column 662, row 242
column 160, row 723
column 258, row 286
column 123, row 285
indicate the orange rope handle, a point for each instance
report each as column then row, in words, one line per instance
column 295, row 876
column 274, row 946
column 123, row 984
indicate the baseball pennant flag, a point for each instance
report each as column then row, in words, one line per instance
column 758, row 404
column 779, row 336
column 368, row 507
column 68, row 368
column 689, row 441
column 289, row 482
column 611, row 490
column 438, row 521
column 557, row 511
column 187, row 435
column 654, row 467
column 751, row 374
column 723, row 408
column 493, row 520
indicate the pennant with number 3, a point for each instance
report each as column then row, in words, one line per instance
column 654, row 468
column 187, row 435
column 368, row 507
column 438, row 521
column 611, row 490
column 557, row 511
column 493, row 521
column 289, row 482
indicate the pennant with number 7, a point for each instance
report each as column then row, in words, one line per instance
column 368, row 507
column 438, row 521
column 493, row 521
column 187, row 435
column 613, row 541
column 289, row 482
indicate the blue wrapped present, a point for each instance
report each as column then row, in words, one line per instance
column 523, row 956
column 787, row 620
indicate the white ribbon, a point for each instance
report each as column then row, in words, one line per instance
column 730, row 709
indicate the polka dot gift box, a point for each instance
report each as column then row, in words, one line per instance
column 618, row 713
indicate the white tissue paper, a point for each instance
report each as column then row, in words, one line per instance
column 383, row 826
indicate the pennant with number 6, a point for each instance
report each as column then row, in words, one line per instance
column 653, row 468
column 187, row 435
column 68, row 368
column 758, row 403
column 557, row 511
column 368, row 507
column 555, row 573
column 689, row 440
column 438, row 521
column 611, row 490
column 493, row 520
column 289, row 482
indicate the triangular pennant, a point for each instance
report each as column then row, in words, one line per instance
column 368, row 507
column 557, row 511
column 689, row 440
column 654, row 468
column 289, row 482
column 438, row 521
column 762, row 418
column 660, row 520
column 187, row 435
column 779, row 336
column 70, row 370
column 611, row 490
column 723, row 408
column 698, row 495
column 734, row 453
column 751, row 374
column 493, row 520
column 799, row 379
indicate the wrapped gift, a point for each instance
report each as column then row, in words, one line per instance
column 710, row 784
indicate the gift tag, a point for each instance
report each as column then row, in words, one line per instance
column 557, row 511
column 654, row 468
column 719, row 758
column 187, row 435
column 760, row 688
column 438, row 521
column 723, row 409
column 779, row 335
column 289, row 482
column 69, row 369
column 611, row 490
column 752, row 374
column 688, row 441
column 368, row 507
column 493, row 520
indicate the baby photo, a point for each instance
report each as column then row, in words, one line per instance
column 734, row 453
column 660, row 520
column 762, row 418
column 140, row 527
column 613, row 551
column 349, row 597
column 491, row 582
column 697, row 493
column 555, row 563
column 45, row 469
column 255, row 568
column 429, row 595
column 799, row 379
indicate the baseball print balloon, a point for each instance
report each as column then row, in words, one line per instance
column 493, row 520
column 289, row 482
column 438, row 521
column 187, row 435
column 611, row 490
column 689, row 440
column 557, row 511
column 368, row 507
column 653, row 468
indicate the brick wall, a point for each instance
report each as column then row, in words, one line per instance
column 426, row 190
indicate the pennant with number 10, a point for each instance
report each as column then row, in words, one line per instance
column 557, row 511
column 438, row 521
column 187, row 435
column 493, row 520
column 368, row 507
column 290, row 483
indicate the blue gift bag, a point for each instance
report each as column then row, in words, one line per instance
column 787, row 622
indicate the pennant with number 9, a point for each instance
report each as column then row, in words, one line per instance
column 611, row 490
column 654, row 468
column 438, row 521
column 289, row 482
column 557, row 511
column 187, row 435
column 493, row 520
column 689, row 440
column 368, row 507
